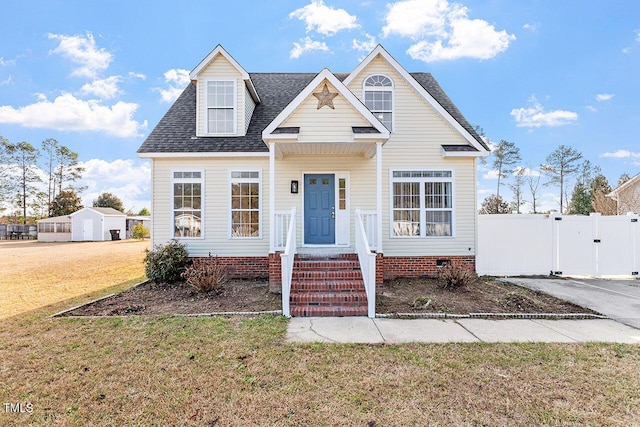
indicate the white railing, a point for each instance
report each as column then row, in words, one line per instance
column 286, row 261
column 281, row 227
column 370, row 223
column 367, row 259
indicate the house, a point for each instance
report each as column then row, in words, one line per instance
column 375, row 170
column 627, row 196
column 87, row 224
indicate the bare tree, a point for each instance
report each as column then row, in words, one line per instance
column 561, row 164
column 533, row 182
column 516, row 187
column 505, row 155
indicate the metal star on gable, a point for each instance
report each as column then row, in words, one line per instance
column 325, row 98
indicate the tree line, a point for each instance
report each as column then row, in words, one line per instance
column 589, row 193
column 43, row 181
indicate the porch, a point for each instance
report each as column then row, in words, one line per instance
column 326, row 281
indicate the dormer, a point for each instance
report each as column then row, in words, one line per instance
column 226, row 96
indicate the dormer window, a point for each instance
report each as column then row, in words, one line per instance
column 221, row 107
column 378, row 98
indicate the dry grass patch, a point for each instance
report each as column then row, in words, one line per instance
column 38, row 274
column 238, row 371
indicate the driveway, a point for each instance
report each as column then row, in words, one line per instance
column 617, row 299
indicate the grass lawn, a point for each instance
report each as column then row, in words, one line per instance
column 169, row 371
column 36, row 274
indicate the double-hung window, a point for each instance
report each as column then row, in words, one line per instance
column 378, row 98
column 221, row 106
column 187, row 197
column 422, row 203
column 245, row 204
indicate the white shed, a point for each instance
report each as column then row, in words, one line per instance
column 96, row 224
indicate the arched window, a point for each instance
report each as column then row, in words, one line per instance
column 378, row 98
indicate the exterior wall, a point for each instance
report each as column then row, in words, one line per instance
column 419, row 266
column 216, row 213
column 114, row 223
column 222, row 69
column 54, row 237
column 77, row 225
column 325, row 124
column 415, row 143
column 249, row 107
column 361, row 184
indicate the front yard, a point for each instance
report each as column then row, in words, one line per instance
column 174, row 370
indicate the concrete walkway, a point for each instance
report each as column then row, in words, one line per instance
column 372, row 331
column 616, row 299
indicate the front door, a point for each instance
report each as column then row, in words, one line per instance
column 87, row 229
column 319, row 209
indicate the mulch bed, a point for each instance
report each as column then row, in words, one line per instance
column 421, row 295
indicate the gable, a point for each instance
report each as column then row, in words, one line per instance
column 325, row 124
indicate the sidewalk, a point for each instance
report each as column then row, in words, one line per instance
column 391, row 331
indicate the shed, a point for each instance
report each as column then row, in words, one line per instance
column 96, row 224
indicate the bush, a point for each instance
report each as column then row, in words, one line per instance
column 206, row 274
column 165, row 263
column 140, row 231
column 453, row 277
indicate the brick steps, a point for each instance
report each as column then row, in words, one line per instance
column 327, row 286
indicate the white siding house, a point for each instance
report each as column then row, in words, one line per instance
column 377, row 161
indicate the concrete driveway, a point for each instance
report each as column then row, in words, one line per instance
column 617, row 299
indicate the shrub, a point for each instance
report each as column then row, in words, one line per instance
column 453, row 276
column 206, row 274
column 165, row 263
column 140, row 231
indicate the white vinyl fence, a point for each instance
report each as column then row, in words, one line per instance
column 595, row 245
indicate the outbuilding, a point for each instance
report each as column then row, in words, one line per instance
column 87, row 224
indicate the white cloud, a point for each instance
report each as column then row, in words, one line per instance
column 591, row 108
column 307, row 45
column 137, row 75
column 84, row 52
column 177, row 79
column 4, row 62
column 621, row 154
column 128, row 180
column 324, row 19
column 533, row 27
column 604, row 97
column 492, row 174
column 364, row 45
column 638, row 36
column 68, row 113
column 443, row 31
column 103, row 88
column 536, row 116
column 6, row 81
column 527, row 171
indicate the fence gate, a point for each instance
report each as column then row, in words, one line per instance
column 592, row 245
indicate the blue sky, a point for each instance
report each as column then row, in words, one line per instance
column 99, row 75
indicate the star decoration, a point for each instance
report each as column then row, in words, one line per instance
column 325, row 98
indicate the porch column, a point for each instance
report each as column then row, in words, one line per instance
column 272, row 196
column 379, row 195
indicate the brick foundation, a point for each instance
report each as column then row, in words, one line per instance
column 391, row 267
column 387, row 267
column 275, row 273
column 246, row 267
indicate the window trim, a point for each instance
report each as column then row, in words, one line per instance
column 391, row 89
column 202, row 203
column 235, row 106
column 230, row 181
column 423, row 209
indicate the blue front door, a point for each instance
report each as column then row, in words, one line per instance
column 319, row 209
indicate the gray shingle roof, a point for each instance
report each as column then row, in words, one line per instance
column 176, row 131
